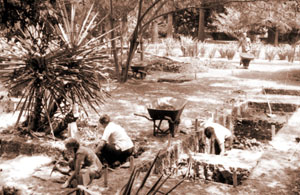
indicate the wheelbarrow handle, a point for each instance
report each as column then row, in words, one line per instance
column 169, row 119
column 143, row 116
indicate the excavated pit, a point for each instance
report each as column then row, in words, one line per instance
column 187, row 155
column 252, row 126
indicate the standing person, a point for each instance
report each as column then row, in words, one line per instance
column 85, row 161
column 115, row 145
column 72, row 126
column 245, row 44
column 220, row 136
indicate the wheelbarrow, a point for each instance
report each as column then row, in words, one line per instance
column 246, row 58
column 139, row 71
column 168, row 109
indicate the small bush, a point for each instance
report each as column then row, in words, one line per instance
column 297, row 53
column 230, row 52
column 291, row 55
column 201, row 49
column 188, row 46
column 282, row 53
column 222, row 51
column 256, row 50
column 169, row 43
column 212, row 52
column 270, row 53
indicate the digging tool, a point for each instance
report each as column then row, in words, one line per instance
column 296, row 148
column 269, row 105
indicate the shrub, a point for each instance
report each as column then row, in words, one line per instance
column 201, row 49
column 222, row 51
column 291, row 55
column 169, row 43
column 188, row 46
column 270, row 53
column 297, row 53
column 282, row 52
column 230, row 52
column 256, row 50
column 212, row 52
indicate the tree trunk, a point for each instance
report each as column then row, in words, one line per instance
column 154, row 38
column 271, row 36
column 170, row 26
column 201, row 35
column 141, row 44
column 113, row 43
column 133, row 44
column 37, row 110
column 276, row 37
column 123, row 34
column 132, row 48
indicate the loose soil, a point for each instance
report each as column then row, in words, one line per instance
column 205, row 91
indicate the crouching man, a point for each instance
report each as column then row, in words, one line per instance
column 115, row 145
column 85, row 162
column 220, row 136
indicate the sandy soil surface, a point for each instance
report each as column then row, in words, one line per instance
column 205, row 92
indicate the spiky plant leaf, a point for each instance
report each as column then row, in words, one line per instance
column 148, row 172
column 63, row 62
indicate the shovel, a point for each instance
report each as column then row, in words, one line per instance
column 269, row 105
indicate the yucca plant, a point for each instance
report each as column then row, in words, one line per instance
column 270, row 53
column 230, row 52
column 57, row 65
column 212, row 52
column 222, row 51
column 201, row 49
column 291, row 54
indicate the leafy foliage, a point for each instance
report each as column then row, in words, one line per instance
column 57, row 69
column 256, row 16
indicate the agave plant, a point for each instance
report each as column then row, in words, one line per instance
column 59, row 68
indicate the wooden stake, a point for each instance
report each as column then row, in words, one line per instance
column 224, row 120
column 199, row 141
column 131, row 163
column 169, row 140
column 246, row 106
column 273, row 131
column 234, row 178
column 238, row 111
column 196, row 125
column 105, row 176
column 215, row 116
column 228, row 122
column 231, row 126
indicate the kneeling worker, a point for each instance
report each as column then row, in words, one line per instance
column 85, row 161
column 115, row 145
column 221, row 136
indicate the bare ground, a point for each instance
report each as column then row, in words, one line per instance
column 206, row 92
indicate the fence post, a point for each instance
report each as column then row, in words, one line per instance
column 273, row 131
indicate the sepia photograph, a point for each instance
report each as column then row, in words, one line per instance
column 149, row 97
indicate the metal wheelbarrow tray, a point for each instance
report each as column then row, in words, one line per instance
column 171, row 112
column 246, row 58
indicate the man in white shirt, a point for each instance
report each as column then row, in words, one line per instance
column 115, row 145
column 219, row 134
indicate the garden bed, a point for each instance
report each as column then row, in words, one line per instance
column 253, row 131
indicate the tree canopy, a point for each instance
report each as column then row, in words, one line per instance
column 256, row 16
